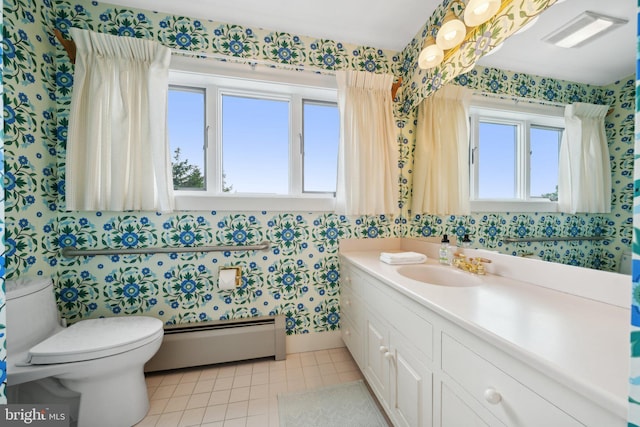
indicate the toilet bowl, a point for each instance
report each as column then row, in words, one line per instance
column 102, row 360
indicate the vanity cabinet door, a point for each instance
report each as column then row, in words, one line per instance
column 411, row 399
column 376, row 365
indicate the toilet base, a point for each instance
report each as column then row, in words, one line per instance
column 113, row 392
column 111, row 400
column 46, row 390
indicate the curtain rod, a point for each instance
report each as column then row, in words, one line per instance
column 252, row 62
column 518, row 99
column 70, row 48
column 525, row 100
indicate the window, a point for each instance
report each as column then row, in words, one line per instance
column 321, row 127
column 256, row 141
column 186, row 123
column 514, row 158
column 255, row 144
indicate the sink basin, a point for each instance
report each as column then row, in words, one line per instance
column 439, row 275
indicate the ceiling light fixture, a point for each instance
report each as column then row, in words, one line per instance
column 451, row 32
column 584, row 28
column 478, row 12
column 431, row 55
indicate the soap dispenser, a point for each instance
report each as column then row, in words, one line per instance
column 466, row 242
column 444, row 250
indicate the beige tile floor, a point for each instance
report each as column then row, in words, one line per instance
column 242, row 394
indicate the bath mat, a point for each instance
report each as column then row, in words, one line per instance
column 340, row 405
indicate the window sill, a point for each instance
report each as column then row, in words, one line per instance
column 513, row 206
column 277, row 203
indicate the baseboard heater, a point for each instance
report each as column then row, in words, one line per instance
column 206, row 343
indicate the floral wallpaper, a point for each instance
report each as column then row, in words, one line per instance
column 3, row 313
column 634, row 371
column 298, row 276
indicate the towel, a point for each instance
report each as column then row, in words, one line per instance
column 402, row 258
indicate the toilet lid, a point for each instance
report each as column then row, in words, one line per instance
column 95, row 338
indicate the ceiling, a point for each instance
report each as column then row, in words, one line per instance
column 392, row 24
column 599, row 62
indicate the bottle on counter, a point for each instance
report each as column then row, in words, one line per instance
column 466, row 242
column 443, row 255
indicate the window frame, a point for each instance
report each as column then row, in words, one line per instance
column 219, row 79
column 524, row 116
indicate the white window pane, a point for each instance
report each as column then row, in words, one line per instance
column 321, row 135
column 255, row 145
column 545, row 146
column 186, row 126
column 497, row 161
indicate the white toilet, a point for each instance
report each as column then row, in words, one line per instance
column 101, row 359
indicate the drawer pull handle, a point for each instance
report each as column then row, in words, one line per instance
column 347, row 332
column 347, row 303
column 388, row 356
column 383, row 349
column 492, row 396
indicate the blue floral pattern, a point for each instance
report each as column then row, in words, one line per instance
column 328, row 54
column 288, row 280
column 77, row 294
column 284, row 48
column 298, row 276
column 183, row 33
column 125, row 23
column 234, row 40
column 289, row 233
column 131, row 290
column 187, row 286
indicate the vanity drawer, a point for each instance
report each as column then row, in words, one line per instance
column 506, row 398
column 353, row 308
column 353, row 281
column 353, row 340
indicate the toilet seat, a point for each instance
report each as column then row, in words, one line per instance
column 96, row 338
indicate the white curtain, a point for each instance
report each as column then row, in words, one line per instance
column 117, row 150
column 584, row 181
column 441, row 157
column 368, row 151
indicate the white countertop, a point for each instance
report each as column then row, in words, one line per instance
column 580, row 342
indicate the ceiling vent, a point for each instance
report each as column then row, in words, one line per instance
column 584, row 28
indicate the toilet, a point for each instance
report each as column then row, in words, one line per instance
column 99, row 360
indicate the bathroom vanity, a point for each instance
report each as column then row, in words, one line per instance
column 496, row 350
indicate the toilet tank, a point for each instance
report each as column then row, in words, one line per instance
column 32, row 314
